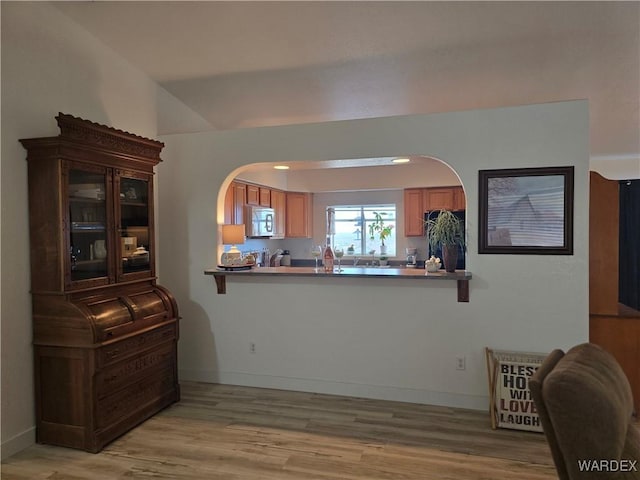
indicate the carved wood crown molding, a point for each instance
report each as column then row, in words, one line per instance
column 107, row 138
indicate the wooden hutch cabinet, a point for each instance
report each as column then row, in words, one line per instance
column 104, row 333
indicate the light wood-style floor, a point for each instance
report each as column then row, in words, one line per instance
column 238, row 433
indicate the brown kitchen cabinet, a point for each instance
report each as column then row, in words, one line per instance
column 417, row 201
column 253, row 194
column 298, row 221
column 229, row 204
column 235, row 200
column 258, row 195
column 240, row 194
column 414, row 212
column 265, row 197
column 104, row 333
column 278, row 203
column 459, row 199
column 438, row 199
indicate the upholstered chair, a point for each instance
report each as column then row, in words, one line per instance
column 585, row 406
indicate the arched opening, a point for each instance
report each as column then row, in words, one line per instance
column 407, row 189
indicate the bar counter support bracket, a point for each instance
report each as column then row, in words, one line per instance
column 221, row 283
column 463, row 287
column 463, row 291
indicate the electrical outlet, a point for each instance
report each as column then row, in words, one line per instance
column 252, row 347
column 461, row 363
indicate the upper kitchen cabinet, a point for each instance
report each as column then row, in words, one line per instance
column 265, row 197
column 234, row 202
column 444, row 198
column 278, row 203
column 459, row 199
column 438, row 199
column 240, row 194
column 253, row 194
column 229, row 204
column 258, row 195
column 417, row 201
column 298, row 215
column 414, row 212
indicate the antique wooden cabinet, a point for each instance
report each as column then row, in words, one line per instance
column 105, row 334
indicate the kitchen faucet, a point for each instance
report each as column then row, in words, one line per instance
column 355, row 261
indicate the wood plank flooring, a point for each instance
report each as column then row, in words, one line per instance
column 239, row 433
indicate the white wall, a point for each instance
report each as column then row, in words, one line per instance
column 374, row 337
column 50, row 65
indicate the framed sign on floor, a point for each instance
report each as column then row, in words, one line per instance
column 510, row 402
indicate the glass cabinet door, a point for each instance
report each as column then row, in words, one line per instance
column 134, row 217
column 88, row 239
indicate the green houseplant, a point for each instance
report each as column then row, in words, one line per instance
column 446, row 230
column 383, row 231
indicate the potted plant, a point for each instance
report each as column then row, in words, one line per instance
column 383, row 231
column 383, row 260
column 446, row 230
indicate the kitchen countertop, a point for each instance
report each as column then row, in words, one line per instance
column 461, row 276
column 347, row 271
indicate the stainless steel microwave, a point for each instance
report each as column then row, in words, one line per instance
column 260, row 221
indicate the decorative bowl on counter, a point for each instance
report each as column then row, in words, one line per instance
column 432, row 265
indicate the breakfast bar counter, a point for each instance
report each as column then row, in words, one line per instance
column 461, row 277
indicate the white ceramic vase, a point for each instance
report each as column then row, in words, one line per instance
column 99, row 249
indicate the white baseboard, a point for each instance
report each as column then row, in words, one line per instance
column 379, row 392
column 17, row 443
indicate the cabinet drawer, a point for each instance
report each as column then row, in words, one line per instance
column 133, row 345
column 135, row 369
column 128, row 402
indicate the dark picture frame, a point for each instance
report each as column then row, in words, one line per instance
column 526, row 211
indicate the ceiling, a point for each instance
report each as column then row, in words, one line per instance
column 245, row 64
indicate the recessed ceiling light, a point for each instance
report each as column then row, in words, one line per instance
column 400, row 160
column 281, row 167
